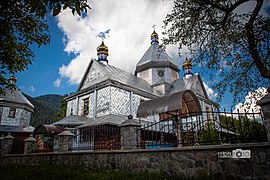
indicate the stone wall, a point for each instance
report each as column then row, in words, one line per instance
column 173, row 161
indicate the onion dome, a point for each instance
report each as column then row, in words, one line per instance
column 102, row 52
column 12, row 80
column 154, row 37
column 187, row 67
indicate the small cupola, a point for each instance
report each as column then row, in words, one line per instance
column 102, row 52
column 154, row 37
column 12, row 80
column 187, row 68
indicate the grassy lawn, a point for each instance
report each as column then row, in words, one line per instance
column 67, row 172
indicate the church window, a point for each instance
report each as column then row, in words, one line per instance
column 12, row 112
column 85, row 108
column 160, row 73
column 71, row 111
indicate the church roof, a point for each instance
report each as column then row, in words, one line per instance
column 117, row 75
column 72, row 120
column 193, row 83
column 155, row 53
column 23, row 129
column 15, row 98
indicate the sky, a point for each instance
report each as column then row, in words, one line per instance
column 59, row 66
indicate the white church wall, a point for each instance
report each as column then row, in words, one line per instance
column 91, row 105
column 22, row 117
column 103, row 102
column 72, row 107
column 120, row 101
column 136, row 99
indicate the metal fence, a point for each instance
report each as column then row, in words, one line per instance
column 204, row 128
column 103, row 137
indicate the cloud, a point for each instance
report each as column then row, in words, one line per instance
column 250, row 101
column 211, row 94
column 131, row 26
column 31, row 89
column 57, row 82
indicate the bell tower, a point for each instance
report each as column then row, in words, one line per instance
column 157, row 67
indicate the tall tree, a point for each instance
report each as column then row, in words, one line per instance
column 22, row 23
column 63, row 109
column 232, row 44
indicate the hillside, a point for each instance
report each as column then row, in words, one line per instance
column 53, row 100
column 46, row 107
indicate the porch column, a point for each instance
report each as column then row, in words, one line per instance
column 130, row 135
column 265, row 105
column 65, row 141
column 30, row 144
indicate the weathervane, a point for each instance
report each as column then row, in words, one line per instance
column 103, row 34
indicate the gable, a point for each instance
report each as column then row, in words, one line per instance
column 193, row 83
column 93, row 75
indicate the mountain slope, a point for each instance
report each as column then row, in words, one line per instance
column 46, row 106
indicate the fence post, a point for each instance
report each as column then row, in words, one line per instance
column 30, row 144
column 1, row 144
column 65, row 141
column 7, row 144
column 129, row 135
column 265, row 105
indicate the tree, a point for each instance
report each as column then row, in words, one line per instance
column 63, row 109
column 233, row 45
column 22, row 24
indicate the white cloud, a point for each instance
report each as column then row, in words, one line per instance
column 57, row 82
column 250, row 101
column 131, row 26
column 31, row 89
column 211, row 94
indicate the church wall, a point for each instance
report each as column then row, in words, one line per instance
column 136, row 99
column 22, row 117
column 72, row 107
column 103, row 101
column 109, row 100
column 146, row 75
column 120, row 101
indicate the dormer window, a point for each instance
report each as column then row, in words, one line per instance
column 12, row 113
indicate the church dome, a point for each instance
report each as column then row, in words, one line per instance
column 12, row 80
column 187, row 67
column 154, row 37
column 102, row 52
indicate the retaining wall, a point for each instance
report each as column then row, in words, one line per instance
column 173, row 161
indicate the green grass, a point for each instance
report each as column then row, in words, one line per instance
column 23, row 172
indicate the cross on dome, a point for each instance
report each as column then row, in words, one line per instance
column 154, row 36
column 102, row 50
column 154, row 27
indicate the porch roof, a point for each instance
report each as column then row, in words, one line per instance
column 110, row 119
column 48, row 129
column 72, row 120
column 180, row 102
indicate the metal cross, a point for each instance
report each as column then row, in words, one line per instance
column 154, row 26
column 103, row 34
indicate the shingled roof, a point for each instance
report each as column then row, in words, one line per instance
column 15, row 98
